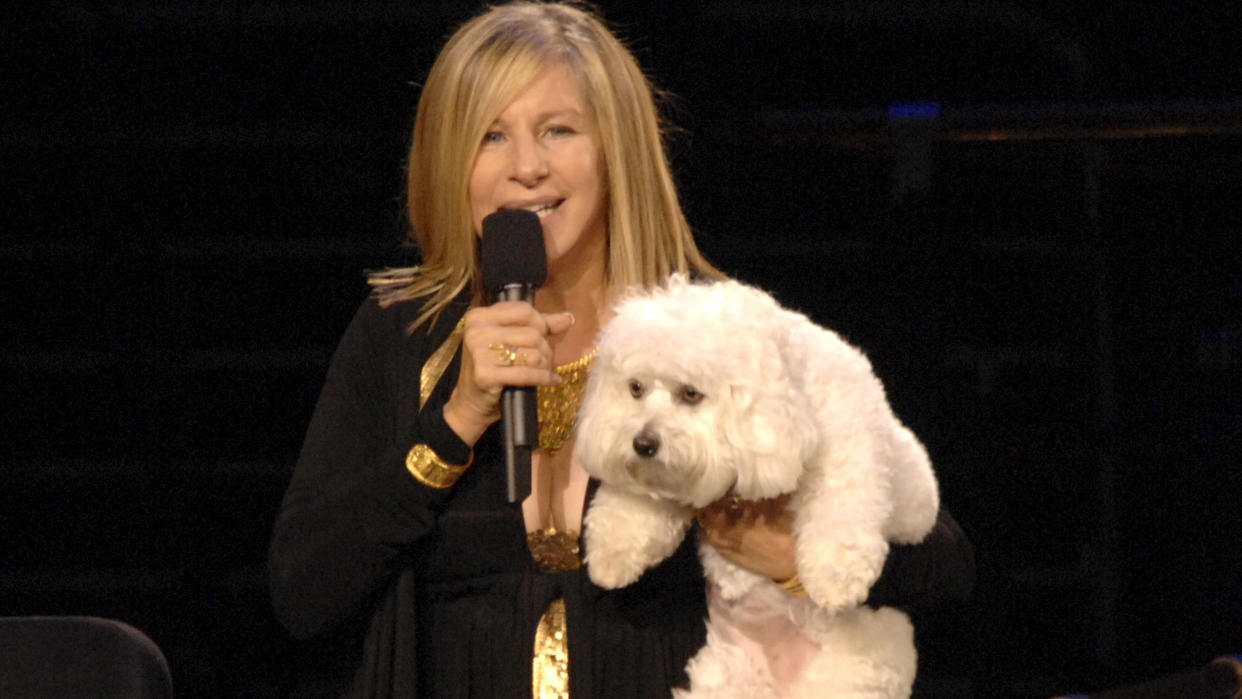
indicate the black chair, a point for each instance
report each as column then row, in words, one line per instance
column 75, row 656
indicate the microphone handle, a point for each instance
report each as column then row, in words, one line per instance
column 519, row 417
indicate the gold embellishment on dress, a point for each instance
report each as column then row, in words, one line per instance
column 558, row 405
column 550, row 666
column 435, row 365
column 555, row 551
column 426, row 465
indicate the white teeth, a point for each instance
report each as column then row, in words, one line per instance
column 542, row 209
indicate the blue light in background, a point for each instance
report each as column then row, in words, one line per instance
column 914, row 110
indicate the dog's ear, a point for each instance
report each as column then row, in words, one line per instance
column 771, row 434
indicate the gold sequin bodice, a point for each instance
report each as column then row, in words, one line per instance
column 556, row 551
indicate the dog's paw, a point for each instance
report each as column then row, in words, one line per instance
column 612, row 572
column 840, row 577
column 837, row 599
column 625, row 534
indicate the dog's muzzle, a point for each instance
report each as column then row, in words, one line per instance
column 646, row 444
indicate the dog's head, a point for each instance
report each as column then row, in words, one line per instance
column 689, row 397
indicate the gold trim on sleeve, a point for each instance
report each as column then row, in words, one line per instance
column 550, row 667
column 432, row 471
column 439, row 360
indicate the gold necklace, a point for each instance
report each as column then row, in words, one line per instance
column 558, row 405
column 555, row 551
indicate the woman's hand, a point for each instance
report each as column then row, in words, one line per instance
column 505, row 344
column 754, row 534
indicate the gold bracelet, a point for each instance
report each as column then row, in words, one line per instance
column 793, row 586
column 432, row 471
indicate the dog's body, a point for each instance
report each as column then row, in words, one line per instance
column 705, row 390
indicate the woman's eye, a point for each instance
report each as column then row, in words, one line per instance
column 560, row 131
column 689, row 395
column 492, row 137
column 636, row 388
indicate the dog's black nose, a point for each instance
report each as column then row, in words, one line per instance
column 646, row 444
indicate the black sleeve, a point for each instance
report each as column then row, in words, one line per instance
column 352, row 510
column 940, row 570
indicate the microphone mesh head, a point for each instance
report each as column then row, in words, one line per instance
column 512, row 250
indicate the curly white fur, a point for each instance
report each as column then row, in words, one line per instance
column 702, row 390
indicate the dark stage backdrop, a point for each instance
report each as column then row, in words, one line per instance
column 1027, row 212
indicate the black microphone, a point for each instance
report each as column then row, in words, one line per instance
column 514, row 265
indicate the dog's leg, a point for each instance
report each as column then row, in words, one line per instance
column 916, row 497
column 625, row 534
column 864, row 653
column 839, row 527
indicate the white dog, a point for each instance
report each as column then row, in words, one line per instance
column 704, row 390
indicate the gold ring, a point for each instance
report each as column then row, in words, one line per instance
column 506, row 355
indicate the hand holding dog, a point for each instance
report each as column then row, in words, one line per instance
column 754, row 534
column 505, row 344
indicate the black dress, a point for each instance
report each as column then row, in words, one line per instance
column 439, row 585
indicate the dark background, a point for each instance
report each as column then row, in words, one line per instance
column 1044, row 267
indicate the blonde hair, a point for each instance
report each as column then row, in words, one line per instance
column 483, row 67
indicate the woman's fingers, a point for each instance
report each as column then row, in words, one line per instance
column 754, row 534
column 505, row 344
column 510, row 314
column 731, row 516
column 510, row 357
column 558, row 322
column 513, row 335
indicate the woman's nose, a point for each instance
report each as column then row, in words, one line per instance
column 530, row 165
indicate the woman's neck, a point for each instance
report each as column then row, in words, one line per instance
column 582, row 292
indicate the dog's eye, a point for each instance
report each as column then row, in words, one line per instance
column 689, row 395
column 636, row 388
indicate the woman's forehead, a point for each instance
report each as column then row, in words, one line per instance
column 552, row 91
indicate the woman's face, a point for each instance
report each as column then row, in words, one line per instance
column 542, row 154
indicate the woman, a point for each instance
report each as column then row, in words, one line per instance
column 395, row 517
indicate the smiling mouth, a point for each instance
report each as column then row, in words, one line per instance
column 542, row 209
